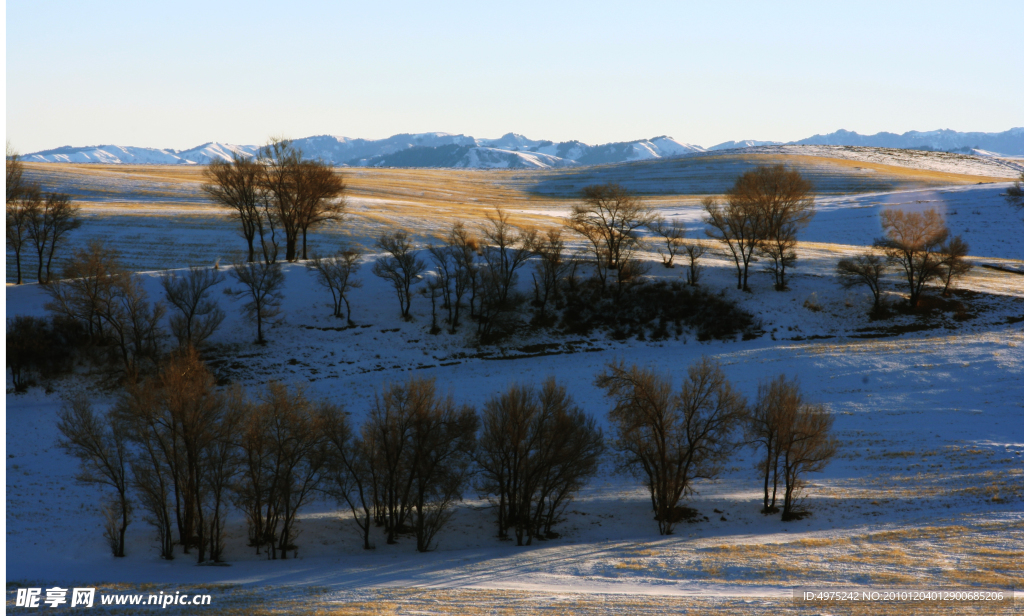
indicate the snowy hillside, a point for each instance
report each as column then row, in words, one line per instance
column 926, row 489
column 908, row 407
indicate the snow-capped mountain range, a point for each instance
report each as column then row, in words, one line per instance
column 516, row 151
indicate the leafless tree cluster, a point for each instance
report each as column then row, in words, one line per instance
column 795, row 438
column 919, row 243
column 100, row 306
column 536, row 451
column 421, row 444
column 763, row 213
column 182, row 429
column 336, row 273
column 400, row 266
column 185, row 451
column 671, row 438
column 553, row 268
column 456, row 273
column 610, row 218
column 505, row 250
column 277, row 192
column 111, row 304
column 283, row 460
column 36, row 220
column 868, row 270
column 480, row 272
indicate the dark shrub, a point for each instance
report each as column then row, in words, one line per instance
column 41, row 348
column 650, row 308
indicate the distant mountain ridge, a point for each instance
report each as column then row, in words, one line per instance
column 512, row 150
column 1009, row 142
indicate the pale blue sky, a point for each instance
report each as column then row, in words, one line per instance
column 177, row 74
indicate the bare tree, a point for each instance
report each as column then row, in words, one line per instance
column 101, row 445
column 24, row 200
column 466, row 275
column 198, row 316
column 221, row 463
column 443, row 279
column 694, row 251
column 739, row 226
column 282, row 458
column 505, row 251
column 21, row 200
column 238, row 185
column 89, row 277
column 914, row 241
column 296, row 438
column 62, row 218
column 388, row 429
column 671, row 439
column 767, row 423
column 671, row 233
column 610, row 218
column 280, row 165
column 400, row 266
column 337, row 274
column 349, row 474
column 807, row 446
column 785, row 204
column 442, row 444
column 1014, row 194
column 422, row 446
column 131, row 322
column 303, row 193
column 434, row 290
column 184, row 428
column 47, row 225
column 15, row 174
column 256, row 490
column 550, row 249
column 954, row 262
column 866, row 269
column 320, row 196
column 263, row 291
column 537, row 450
column 153, row 490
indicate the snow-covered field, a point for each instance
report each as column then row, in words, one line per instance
column 927, row 490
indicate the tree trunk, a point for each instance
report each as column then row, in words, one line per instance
column 366, row 530
column 124, row 526
column 39, row 274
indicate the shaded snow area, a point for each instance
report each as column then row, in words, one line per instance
column 927, row 489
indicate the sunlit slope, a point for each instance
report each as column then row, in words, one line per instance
column 704, row 175
column 469, row 191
